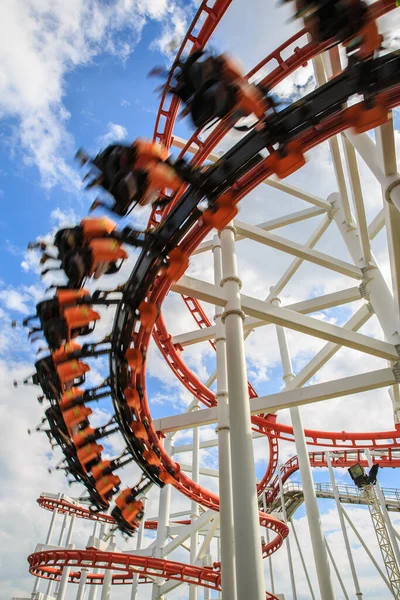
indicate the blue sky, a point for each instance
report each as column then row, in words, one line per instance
column 76, row 76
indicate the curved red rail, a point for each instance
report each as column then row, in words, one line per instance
column 63, row 506
column 50, row 563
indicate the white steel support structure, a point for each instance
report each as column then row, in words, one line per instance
column 249, row 567
column 270, row 565
column 194, row 513
column 107, row 581
column 386, row 518
column 139, row 543
column 343, row 527
column 62, row 590
column 287, row 541
column 313, row 517
column 224, row 450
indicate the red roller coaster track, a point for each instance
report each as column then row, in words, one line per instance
column 49, row 564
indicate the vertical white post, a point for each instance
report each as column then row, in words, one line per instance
column 64, row 579
column 135, row 582
column 271, row 570
column 107, row 581
column 228, row 571
column 163, row 511
column 51, row 527
column 194, row 513
column 336, row 570
column 60, row 543
column 310, row 499
column 93, row 588
column 68, row 540
column 219, row 549
column 47, row 542
column 374, row 286
column 385, row 513
column 303, row 562
column 249, row 567
column 343, row 526
column 82, row 584
column 287, row 540
column 162, row 523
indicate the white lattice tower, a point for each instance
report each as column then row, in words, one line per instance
column 383, row 538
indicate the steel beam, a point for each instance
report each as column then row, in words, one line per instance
column 296, row 397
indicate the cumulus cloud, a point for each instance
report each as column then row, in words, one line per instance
column 115, row 133
column 42, row 41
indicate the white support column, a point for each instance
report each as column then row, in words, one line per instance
column 249, row 567
column 107, row 581
column 68, row 539
column 163, row 512
column 82, row 584
column 287, row 540
column 303, row 562
column 47, row 542
column 343, row 526
column 228, row 570
column 385, row 513
column 271, row 569
column 139, row 542
column 93, row 588
column 374, row 286
column 51, row 527
column 59, row 543
column 64, row 579
column 336, row 570
column 162, row 525
column 310, row 499
column 194, row 513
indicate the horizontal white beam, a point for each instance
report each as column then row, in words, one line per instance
column 206, row 444
column 295, row 217
column 315, row 256
column 289, row 319
column 304, row 307
column 202, row 470
column 286, row 399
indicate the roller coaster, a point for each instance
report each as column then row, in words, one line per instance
column 191, row 197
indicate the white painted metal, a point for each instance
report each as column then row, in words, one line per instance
column 314, row 521
column 64, row 579
column 194, row 540
column 80, row 595
column 367, row 550
column 329, row 551
column 270, row 565
column 386, row 518
column 305, row 307
column 108, row 573
column 303, row 562
column 249, row 567
column 287, row 540
column 139, row 542
column 228, row 569
column 343, row 527
column 288, row 398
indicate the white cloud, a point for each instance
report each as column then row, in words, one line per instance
column 42, row 41
column 115, row 133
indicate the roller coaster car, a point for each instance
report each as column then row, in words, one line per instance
column 88, row 250
column 213, row 88
column 61, row 319
column 128, row 511
column 348, row 21
column 133, row 175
